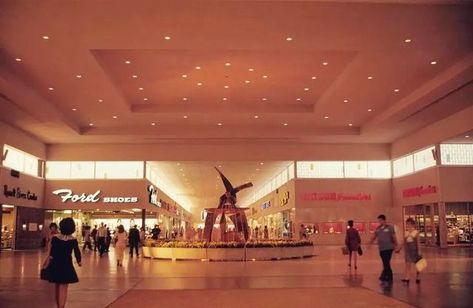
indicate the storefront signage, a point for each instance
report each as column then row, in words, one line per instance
column 153, row 196
column 285, row 199
column 419, row 191
column 266, row 205
column 68, row 195
column 334, row 196
column 17, row 193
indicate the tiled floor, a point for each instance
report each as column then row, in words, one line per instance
column 321, row 281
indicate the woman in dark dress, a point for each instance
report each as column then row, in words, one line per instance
column 352, row 241
column 60, row 266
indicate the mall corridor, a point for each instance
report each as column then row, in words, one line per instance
column 322, row 281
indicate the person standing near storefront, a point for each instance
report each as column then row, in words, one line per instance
column 352, row 242
column 52, row 233
column 101, row 235
column 120, row 240
column 411, row 247
column 302, row 232
column 387, row 243
column 93, row 235
column 155, row 232
column 266, row 233
column 59, row 265
column 134, row 240
column 87, row 239
column 142, row 235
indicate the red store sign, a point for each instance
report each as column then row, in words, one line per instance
column 419, row 191
column 334, row 196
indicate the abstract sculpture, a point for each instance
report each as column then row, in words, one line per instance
column 227, row 208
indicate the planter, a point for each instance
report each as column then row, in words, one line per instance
column 161, row 253
column 226, row 254
column 264, row 253
column 308, row 251
column 189, row 253
column 293, row 252
column 146, row 252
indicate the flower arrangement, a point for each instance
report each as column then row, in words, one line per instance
column 249, row 244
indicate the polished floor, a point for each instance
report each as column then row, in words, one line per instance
column 322, row 281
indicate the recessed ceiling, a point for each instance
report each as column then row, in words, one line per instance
column 156, row 61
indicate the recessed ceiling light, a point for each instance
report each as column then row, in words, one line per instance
column 199, row 84
column 145, row 99
column 247, row 81
column 153, row 124
column 256, row 116
column 396, row 90
column 313, row 77
column 298, row 99
column 51, row 89
column 45, row 37
column 467, row 136
column 370, row 77
column 288, row 39
column 141, row 89
column 345, row 101
column 324, row 63
column 326, row 117
column 115, row 117
column 350, row 124
column 228, row 64
column 224, row 99
column 185, row 117
column 369, row 110
column 127, row 62
column 265, row 76
column 285, row 124
column 407, row 40
column 251, row 69
column 219, row 124
column 74, row 109
column 134, row 76
column 91, row 124
column 264, row 99
column 184, row 98
column 78, row 76
column 167, row 38
column 184, row 76
column 197, row 67
column 18, row 59
column 226, row 87
column 261, row 163
column 433, row 62
column 100, row 100
column 306, row 89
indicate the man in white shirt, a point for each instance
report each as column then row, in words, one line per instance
column 101, row 235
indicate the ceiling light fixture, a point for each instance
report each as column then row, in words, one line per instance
column 324, row 63
column 197, row 67
column 345, row 101
column 45, row 37
column 433, row 62
column 145, row 99
column 265, row 76
column 228, row 64
column 264, row 99
column 51, row 89
column 261, row 163
column 167, row 38
column 314, row 77
column 18, row 59
column 141, row 89
column 79, row 76
column 127, row 62
column 306, row 89
column 74, row 109
column 298, row 99
column 199, row 84
column 247, row 81
column 407, row 40
column 224, row 99
column 256, row 116
column 370, row 77
column 100, row 100
column 226, row 87
column 251, row 69
column 349, row 124
column 184, row 98
column 184, row 76
column 115, row 117
column 396, row 90
column 91, row 124
column 369, row 110
column 153, row 124
column 185, row 117
column 288, row 39
column 134, row 76
column 467, row 136
column 285, row 124
column 326, row 117
column 219, row 124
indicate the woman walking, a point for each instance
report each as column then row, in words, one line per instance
column 59, row 263
column 352, row 241
column 120, row 244
column 411, row 248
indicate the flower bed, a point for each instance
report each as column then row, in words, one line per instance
column 228, row 251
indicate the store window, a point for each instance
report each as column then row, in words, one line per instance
column 119, row 170
column 82, row 169
column 424, row 159
column 456, row 154
column 459, row 217
column 379, row 169
column 58, row 170
column 356, row 169
column 403, row 165
column 320, row 169
column 20, row 161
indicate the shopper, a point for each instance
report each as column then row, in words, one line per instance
column 59, row 264
column 256, row 233
column 142, row 235
column 51, row 234
column 120, row 240
column 387, row 243
column 352, row 241
column 155, row 232
column 302, row 232
column 93, row 235
column 87, row 238
column 108, row 239
column 134, row 240
column 266, row 233
column 411, row 249
column 101, row 235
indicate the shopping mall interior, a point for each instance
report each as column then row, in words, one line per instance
column 239, row 137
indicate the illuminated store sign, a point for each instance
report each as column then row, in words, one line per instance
column 334, row 196
column 266, row 205
column 419, row 191
column 285, row 199
column 18, row 194
column 153, row 196
column 68, row 195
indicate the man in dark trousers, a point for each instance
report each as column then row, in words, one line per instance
column 387, row 243
column 155, row 232
column 134, row 240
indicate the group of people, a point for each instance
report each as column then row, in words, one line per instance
column 385, row 235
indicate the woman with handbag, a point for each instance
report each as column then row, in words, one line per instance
column 411, row 248
column 58, row 267
column 352, row 242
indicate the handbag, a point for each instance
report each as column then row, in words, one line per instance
column 45, row 273
column 360, row 251
column 345, row 250
column 421, row 264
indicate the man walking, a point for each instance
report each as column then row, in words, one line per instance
column 134, row 240
column 387, row 243
column 101, row 235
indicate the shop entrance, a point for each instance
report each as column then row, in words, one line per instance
column 7, row 222
column 459, row 219
column 426, row 217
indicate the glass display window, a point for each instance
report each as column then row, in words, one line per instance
column 360, row 226
column 332, row 228
column 459, row 219
column 373, row 226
